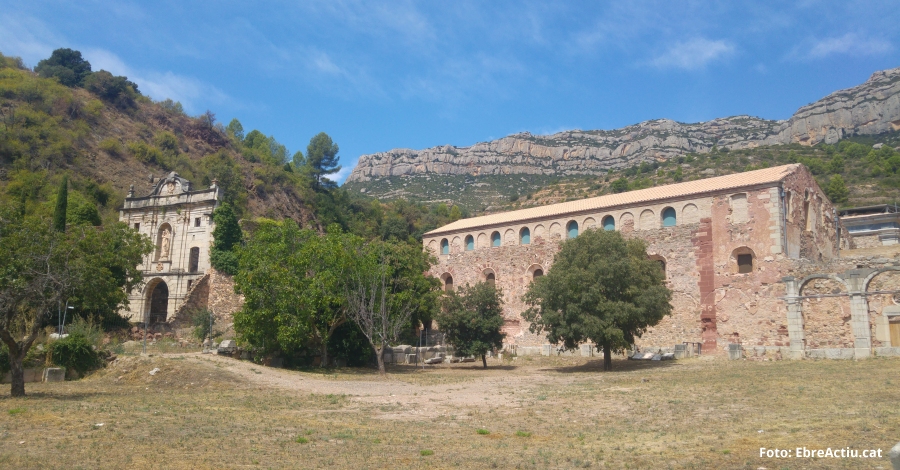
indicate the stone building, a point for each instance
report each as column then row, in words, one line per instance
column 178, row 219
column 725, row 243
column 871, row 226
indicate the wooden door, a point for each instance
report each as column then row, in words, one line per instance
column 895, row 332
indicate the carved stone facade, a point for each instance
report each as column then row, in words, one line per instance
column 725, row 244
column 178, row 219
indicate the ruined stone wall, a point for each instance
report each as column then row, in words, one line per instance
column 223, row 301
column 866, row 241
column 196, row 299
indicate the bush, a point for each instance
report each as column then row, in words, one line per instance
column 74, row 352
column 111, row 146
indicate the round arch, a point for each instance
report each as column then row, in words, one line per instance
column 156, row 301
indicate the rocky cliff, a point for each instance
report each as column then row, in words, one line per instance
column 870, row 108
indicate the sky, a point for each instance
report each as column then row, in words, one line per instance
column 403, row 74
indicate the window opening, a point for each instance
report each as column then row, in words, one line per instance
column 745, row 264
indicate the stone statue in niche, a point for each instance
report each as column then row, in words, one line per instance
column 170, row 187
column 165, row 242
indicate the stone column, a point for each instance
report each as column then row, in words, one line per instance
column 859, row 312
column 859, row 321
column 794, row 319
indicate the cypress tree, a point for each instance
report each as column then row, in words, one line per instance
column 62, row 201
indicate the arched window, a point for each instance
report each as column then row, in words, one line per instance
column 445, row 247
column 662, row 265
column 537, row 273
column 668, row 217
column 490, row 279
column 572, row 229
column 470, row 243
column 609, row 223
column 194, row 260
column 524, row 236
column 495, row 239
column 448, row 283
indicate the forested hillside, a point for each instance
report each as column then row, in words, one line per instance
column 63, row 119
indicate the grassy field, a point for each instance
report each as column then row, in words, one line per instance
column 201, row 411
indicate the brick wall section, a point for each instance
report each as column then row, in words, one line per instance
column 702, row 240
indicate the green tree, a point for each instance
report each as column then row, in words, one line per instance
column 322, row 159
column 837, row 190
column 66, row 65
column 455, row 213
column 471, row 320
column 226, row 236
column 41, row 267
column 235, row 130
column 620, row 185
column 836, row 166
column 294, row 283
column 62, row 202
column 601, row 288
column 117, row 90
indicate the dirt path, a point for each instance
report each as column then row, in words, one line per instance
column 461, row 387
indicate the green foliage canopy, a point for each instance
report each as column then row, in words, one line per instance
column 226, row 236
column 66, row 65
column 472, row 318
column 601, row 288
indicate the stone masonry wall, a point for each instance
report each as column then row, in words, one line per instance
column 223, row 301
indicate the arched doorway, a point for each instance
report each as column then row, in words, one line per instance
column 159, row 303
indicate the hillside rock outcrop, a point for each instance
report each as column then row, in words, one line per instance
column 870, row 108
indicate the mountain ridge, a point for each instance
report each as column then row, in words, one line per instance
column 870, row 108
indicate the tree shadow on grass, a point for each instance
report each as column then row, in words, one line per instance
column 61, row 395
column 618, row 365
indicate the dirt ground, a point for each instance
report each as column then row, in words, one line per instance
column 203, row 411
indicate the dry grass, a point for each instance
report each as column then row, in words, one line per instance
column 202, row 412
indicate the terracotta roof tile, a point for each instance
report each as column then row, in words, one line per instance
column 671, row 191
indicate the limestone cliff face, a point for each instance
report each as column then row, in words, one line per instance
column 870, row 108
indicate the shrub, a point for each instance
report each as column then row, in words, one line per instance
column 111, row 146
column 74, row 352
column 426, row 452
column 483, row 432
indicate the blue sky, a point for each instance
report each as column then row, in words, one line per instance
column 398, row 74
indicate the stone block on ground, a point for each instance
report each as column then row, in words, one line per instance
column 435, row 360
column 227, row 347
column 54, row 374
column 668, row 356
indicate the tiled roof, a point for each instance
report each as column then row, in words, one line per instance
column 671, row 191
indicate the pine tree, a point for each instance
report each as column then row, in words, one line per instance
column 62, row 201
column 836, row 190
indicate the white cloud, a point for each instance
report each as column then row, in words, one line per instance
column 20, row 37
column 194, row 95
column 693, row 54
column 342, row 175
column 849, row 43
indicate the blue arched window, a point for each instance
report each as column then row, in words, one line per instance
column 572, row 229
column 609, row 223
column 524, row 236
column 495, row 239
column 470, row 243
column 445, row 247
column 668, row 216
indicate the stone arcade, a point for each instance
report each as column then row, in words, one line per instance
column 178, row 219
column 736, row 250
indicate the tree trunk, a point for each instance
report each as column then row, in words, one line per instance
column 17, row 373
column 484, row 361
column 379, row 354
column 607, row 357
